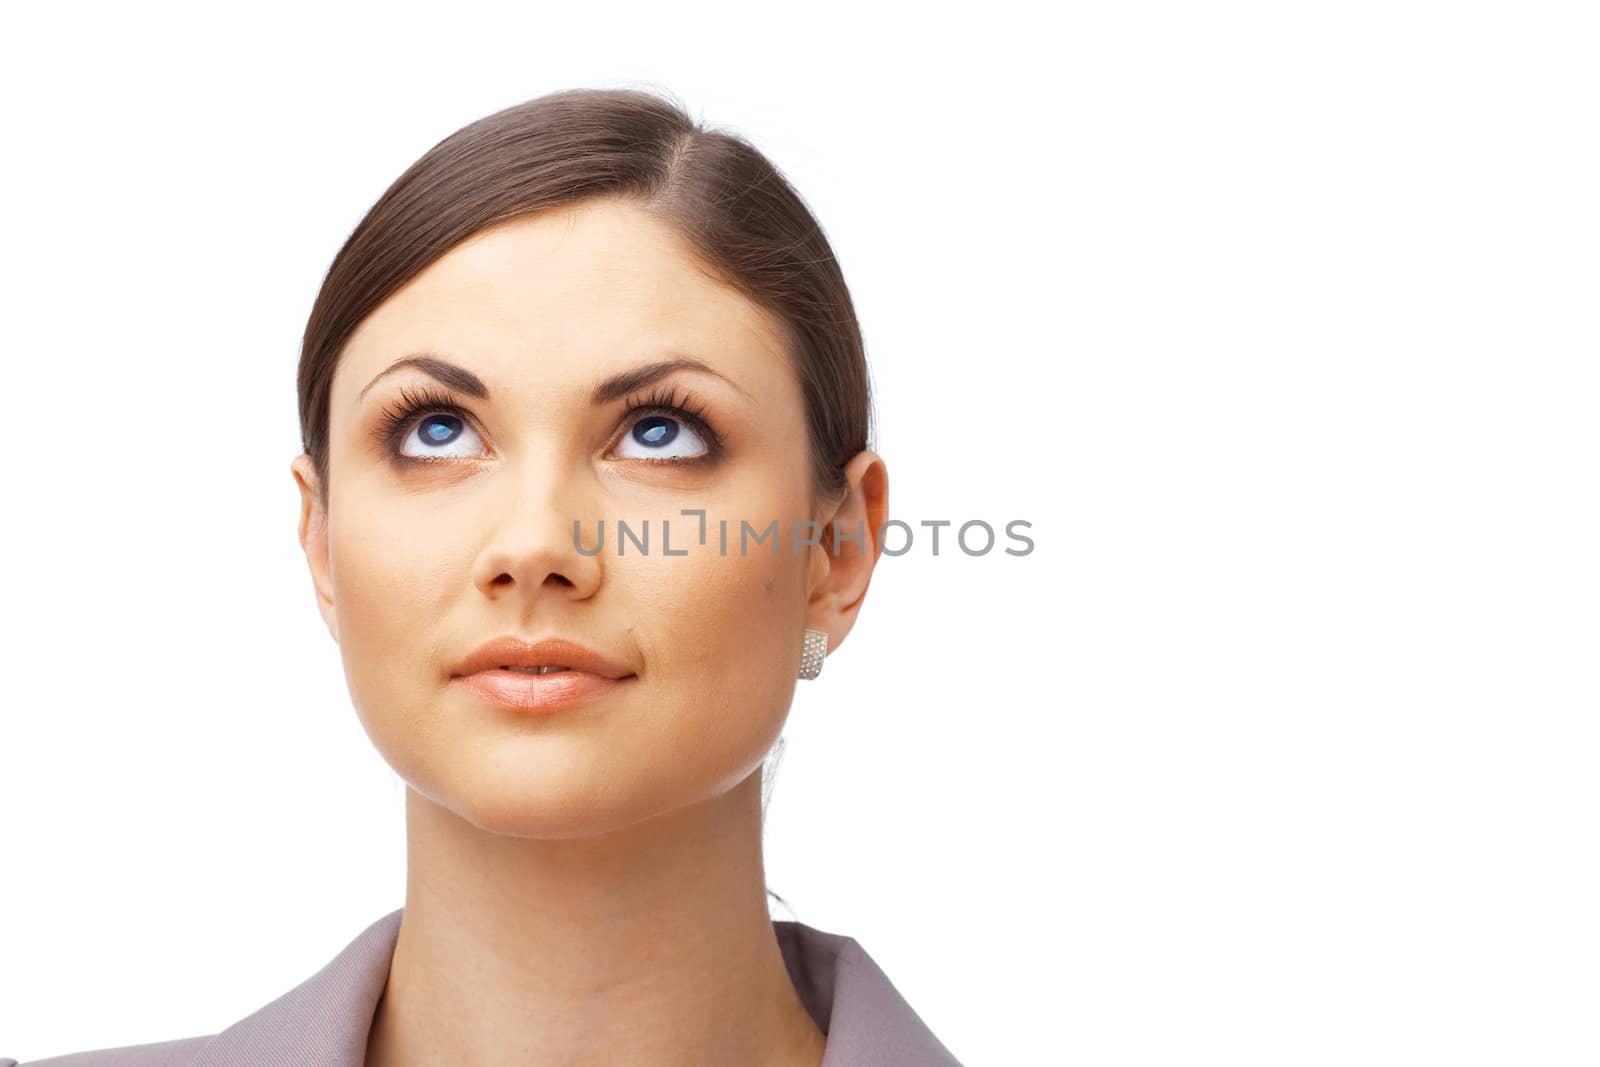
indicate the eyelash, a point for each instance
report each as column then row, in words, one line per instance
column 396, row 421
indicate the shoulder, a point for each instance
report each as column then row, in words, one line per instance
column 178, row 1052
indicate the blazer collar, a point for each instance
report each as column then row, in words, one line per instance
column 324, row 1020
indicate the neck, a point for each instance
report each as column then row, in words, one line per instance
column 646, row 944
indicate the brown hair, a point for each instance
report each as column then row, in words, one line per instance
column 733, row 207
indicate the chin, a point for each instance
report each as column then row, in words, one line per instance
column 523, row 802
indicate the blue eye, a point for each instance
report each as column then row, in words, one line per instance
column 670, row 428
column 438, row 429
column 662, row 437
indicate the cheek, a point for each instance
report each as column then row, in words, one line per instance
column 390, row 593
column 709, row 616
column 719, row 634
column 716, row 633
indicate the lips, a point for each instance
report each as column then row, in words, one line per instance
column 540, row 677
column 510, row 652
column 540, row 693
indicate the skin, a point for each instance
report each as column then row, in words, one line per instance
column 585, row 887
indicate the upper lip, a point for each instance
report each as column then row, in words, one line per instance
column 513, row 651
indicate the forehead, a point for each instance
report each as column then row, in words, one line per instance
column 576, row 292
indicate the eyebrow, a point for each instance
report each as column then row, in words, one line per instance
column 459, row 378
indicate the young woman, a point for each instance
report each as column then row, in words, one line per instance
column 586, row 490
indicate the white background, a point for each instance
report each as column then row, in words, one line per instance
column 1277, row 321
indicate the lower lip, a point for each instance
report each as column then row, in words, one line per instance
column 539, row 692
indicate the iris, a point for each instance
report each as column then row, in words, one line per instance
column 441, row 429
column 655, row 430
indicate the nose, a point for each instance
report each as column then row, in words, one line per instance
column 533, row 546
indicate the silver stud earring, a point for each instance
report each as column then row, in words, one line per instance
column 812, row 653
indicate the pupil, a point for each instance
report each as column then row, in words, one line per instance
column 655, row 430
column 439, row 429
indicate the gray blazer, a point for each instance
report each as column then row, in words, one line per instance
column 323, row 1021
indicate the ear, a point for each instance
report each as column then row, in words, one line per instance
column 841, row 566
column 314, row 539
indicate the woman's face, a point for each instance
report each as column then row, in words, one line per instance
column 443, row 534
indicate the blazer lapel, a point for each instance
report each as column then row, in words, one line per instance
column 868, row 1022
column 323, row 1021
